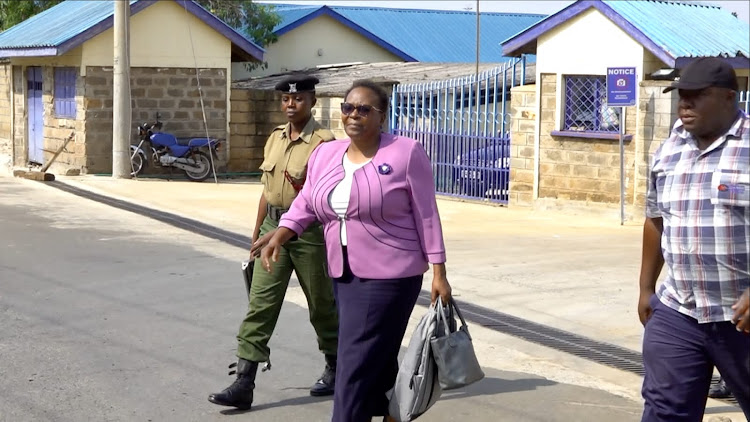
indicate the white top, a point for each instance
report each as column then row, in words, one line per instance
column 339, row 197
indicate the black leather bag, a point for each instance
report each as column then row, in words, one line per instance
column 247, row 274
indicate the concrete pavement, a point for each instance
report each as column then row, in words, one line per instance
column 576, row 272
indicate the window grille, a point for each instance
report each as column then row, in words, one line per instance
column 586, row 105
column 65, row 92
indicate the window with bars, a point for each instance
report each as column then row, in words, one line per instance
column 65, row 92
column 586, row 105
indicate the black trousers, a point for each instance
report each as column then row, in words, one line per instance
column 373, row 315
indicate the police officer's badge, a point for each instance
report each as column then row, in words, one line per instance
column 292, row 88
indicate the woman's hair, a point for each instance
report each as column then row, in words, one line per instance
column 383, row 100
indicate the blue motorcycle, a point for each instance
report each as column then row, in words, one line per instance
column 188, row 154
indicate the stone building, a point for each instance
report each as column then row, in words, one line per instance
column 56, row 74
column 565, row 139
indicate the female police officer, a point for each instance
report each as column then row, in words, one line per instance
column 284, row 168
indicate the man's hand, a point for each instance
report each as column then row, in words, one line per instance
column 742, row 312
column 258, row 244
column 644, row 307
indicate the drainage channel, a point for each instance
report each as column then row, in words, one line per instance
column 603, row 353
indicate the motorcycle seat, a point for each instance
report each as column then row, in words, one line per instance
column 183, row 141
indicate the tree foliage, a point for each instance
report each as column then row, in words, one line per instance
column 255, row 20
column 13, row 12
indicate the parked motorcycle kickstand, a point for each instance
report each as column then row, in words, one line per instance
column 169, row 178
column 132, row 166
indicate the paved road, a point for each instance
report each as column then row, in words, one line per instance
column 109, row 316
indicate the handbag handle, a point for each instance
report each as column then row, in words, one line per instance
column 442, row 320
column 441, row 315
column 458, row 312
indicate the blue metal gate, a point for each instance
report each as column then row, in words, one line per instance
column 463, row 124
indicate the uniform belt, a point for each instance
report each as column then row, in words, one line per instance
column 275, row 213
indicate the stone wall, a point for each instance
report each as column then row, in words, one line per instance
column 522, row 128
column 585, row 171
column 327, row 111
column 6, row 138
column 657, row 113
column 20, row 146
column 57, row 130
column 255, row 113
column 581, row 169
column 171, row 92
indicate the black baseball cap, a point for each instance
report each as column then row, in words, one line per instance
column 706, row 72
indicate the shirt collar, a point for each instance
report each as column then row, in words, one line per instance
column 305, row 135
column 735, row 131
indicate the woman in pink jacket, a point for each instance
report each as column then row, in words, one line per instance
column 375, row 195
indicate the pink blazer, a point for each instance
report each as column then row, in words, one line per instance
column 392, row 223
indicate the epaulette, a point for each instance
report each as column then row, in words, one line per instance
column 325, row 134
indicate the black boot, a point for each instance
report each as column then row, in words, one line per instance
column 719, row 391
column 240, row 393
column 324, row 385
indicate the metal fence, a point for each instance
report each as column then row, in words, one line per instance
column 463, row 124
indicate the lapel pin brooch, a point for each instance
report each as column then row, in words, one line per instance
column 384, row 168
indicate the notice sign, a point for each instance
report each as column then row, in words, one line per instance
column 621, row 86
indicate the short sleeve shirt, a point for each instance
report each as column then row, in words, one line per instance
column 285, row 158
column 703, row 197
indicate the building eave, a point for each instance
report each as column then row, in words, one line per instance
column 325, row 10
column 241, row 46
column 525, row 42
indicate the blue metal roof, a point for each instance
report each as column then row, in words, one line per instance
column 57, row 24
column 673, row 31
column 71, row 23
column 419, row 35
column 687, row 29
column 291, row 13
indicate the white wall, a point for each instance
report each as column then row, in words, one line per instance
column 299, row 49
column 163, row 35
column 587, row 45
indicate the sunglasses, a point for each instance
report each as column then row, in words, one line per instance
column 362, row 109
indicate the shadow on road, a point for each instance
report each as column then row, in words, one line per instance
column 293, row 401
column 491, row 386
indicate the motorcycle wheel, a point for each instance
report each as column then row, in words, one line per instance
column 205, row 162
column 137, row 162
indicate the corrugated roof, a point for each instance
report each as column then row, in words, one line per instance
column 291, row 13
column 70, row 23
column 57, row 24
column 674, row 31
column 420, row 35
column 687, row 29
column 335, row 80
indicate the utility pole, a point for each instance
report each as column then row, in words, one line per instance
column 122, row 112
column 477, row 13
column 477, row 63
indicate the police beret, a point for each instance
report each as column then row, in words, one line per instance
column 297, row 83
